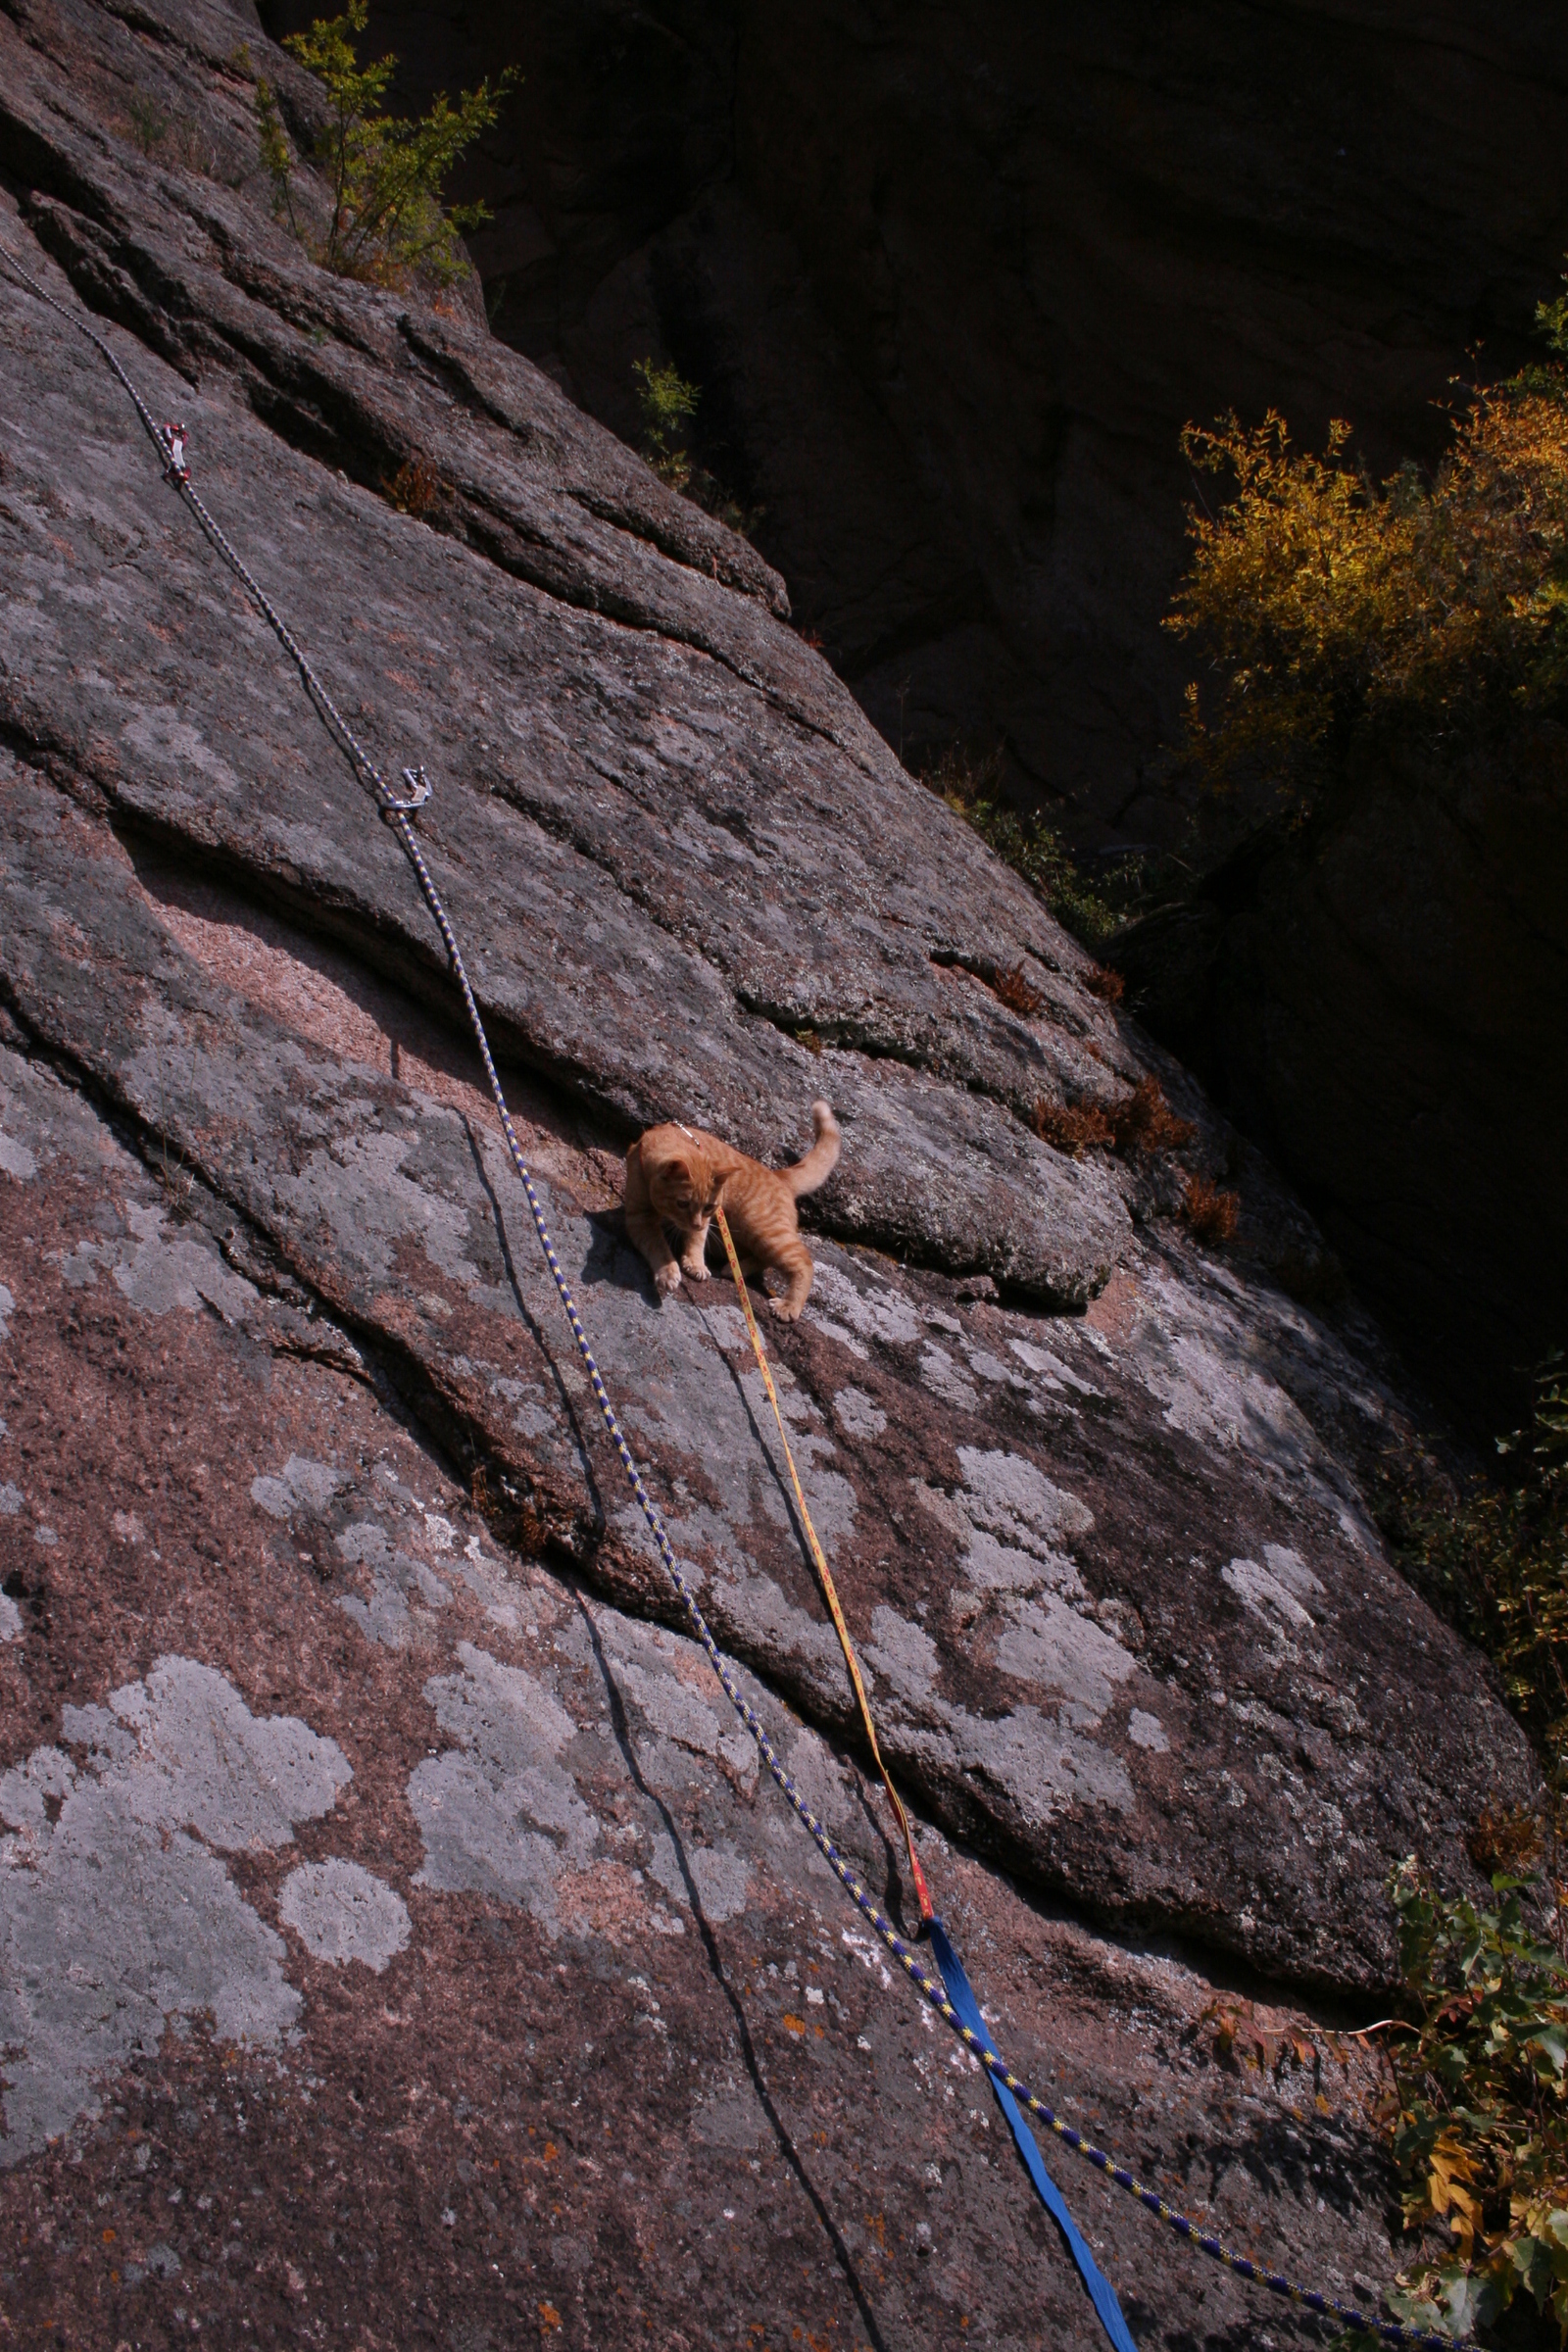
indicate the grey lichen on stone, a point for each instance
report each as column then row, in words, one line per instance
column 1277, row 1593
column 16, row 1161
column 859, row 1415
column 303, row 1486
column 342, row 1912
column 115, row 1914
column 902, row 1651
column 498, row 1812
column 1049, row 1645
column 194, row 1755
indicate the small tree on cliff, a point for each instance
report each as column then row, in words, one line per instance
column 666, row 404
column 384, row 174
column 1327, row 604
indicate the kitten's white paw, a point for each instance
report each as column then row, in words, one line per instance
column 784, row 1312
column 695, row 1267
column 668, row 1280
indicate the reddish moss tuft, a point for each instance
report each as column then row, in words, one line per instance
column 1016, row 992
column 416, row 488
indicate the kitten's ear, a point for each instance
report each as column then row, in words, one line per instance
column 680, row 1169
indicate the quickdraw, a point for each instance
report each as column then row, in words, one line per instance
column 974, row 2037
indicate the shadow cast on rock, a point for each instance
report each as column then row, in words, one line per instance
column 612, row 1262
column 563, row 1398
column 1285, row 2162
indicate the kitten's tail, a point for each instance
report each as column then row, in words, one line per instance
column 821, row 1160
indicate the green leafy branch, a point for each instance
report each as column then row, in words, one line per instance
column 1479, row 2104
column 384, row 172
column 1477, row 2110
column 1090, row 910
column 1497, row 1566
column 666, row 404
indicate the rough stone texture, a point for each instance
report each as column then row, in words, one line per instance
column 1056, row 1504
column 330, row 1638
column 685, row 832
column 648, row 2076
column 953, row 278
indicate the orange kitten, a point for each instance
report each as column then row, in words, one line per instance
column 677, row 1176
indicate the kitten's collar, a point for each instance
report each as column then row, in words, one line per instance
column 685, row 1130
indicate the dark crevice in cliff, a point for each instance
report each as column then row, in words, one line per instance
column 419, row 971
column 419, row 968
column 330, row 423
column 846, row 1033
column 263, row 1257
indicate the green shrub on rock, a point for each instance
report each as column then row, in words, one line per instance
column 668, row 404
column 1479, row 2106
column 1478, row 2103
column 1497, row 1567
column 1092, row 910
column 384, row 174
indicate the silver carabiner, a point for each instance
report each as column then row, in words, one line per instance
column 419, row 794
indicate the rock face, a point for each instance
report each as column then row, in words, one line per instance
column 451, row 1945
column 952, row 279
column 395, row 1944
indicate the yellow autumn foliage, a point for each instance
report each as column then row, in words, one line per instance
column 1326, row 604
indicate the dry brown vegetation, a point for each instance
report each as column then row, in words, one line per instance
column 1139, row 1126
column 1072, row 1127
column 1208, row 1211
column 1016, row 991
column 416, row 488
column 1145, row 1123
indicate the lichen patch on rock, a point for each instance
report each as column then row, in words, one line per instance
column 115, row 1913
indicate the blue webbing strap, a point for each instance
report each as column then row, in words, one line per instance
column 1102, row 2294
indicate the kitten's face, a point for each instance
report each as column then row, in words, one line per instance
column 686, row 1191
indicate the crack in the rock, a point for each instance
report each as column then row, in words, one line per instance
column 419, row 971
column 537, row 1523
column 454, row 373
column 715, row 1963
column 848, row 1034
column 564, row 1395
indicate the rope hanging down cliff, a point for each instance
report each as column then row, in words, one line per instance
column 1101, row 2292
column 396, row 810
